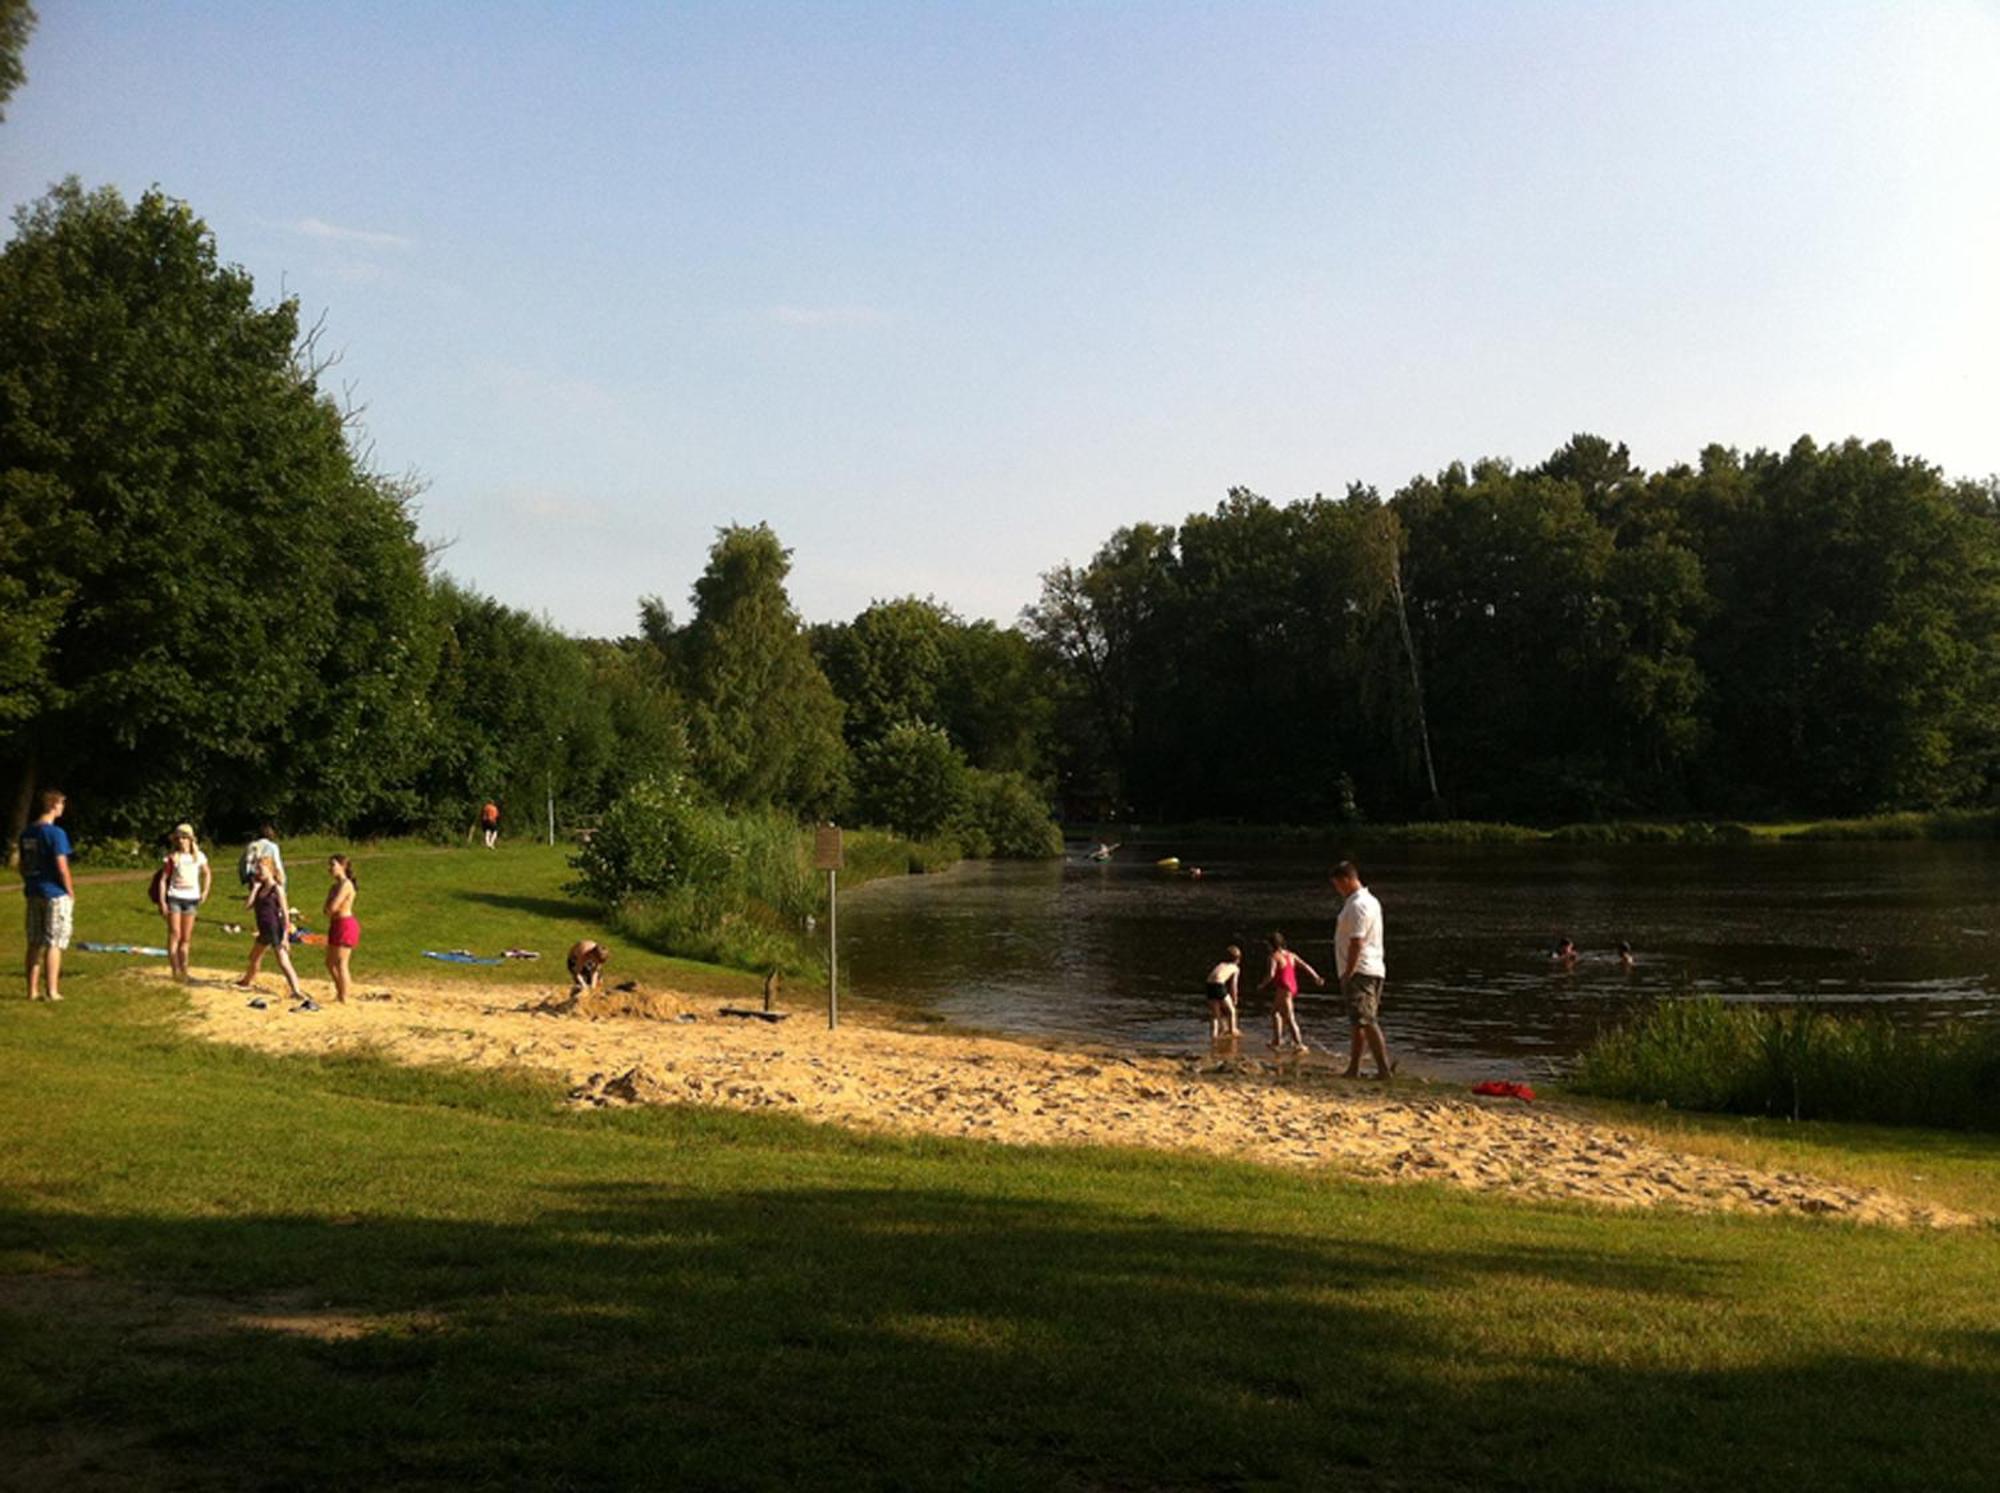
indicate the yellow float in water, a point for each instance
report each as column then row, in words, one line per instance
column 1168, row 863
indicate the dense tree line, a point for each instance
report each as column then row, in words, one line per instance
column 211, row 608
column 1805, row 632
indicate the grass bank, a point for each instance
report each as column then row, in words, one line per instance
column 224, row 1270
column 1707, row 1054
column 414, row 896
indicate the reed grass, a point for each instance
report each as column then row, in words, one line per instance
column 760, row 912
column 1946, row 824
column 1799, row 1061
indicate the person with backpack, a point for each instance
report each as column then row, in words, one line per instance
column 180, row 886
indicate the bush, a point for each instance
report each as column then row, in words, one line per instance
column 656, row 838
column 684, row 877
column 913, row 780
column 1006, row 816
column 1800, row 1062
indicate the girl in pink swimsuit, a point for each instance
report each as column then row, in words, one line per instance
column 1283, row 983
column 343, row 932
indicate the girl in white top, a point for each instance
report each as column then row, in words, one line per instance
column 183, row 889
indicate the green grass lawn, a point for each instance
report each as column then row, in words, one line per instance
column 531, row 1297
column 413, row 896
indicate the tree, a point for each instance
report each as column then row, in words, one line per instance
column 764, row 724
column 888, row 665
column 17, row 23
column 1853, row 658
column 913, row 780
column 226, row 610
column 997, row 699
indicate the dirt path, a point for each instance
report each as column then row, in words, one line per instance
column 667, row 1048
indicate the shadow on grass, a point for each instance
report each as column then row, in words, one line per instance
column 556, row 909
column 643, row 1336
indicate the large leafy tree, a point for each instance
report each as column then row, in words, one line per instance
column 888, row 665
column 764, row 724
column 224, row 612
column 913, row 661
column 997, row 699
column 1859, row 595
column 17, row 23
column 521, row 712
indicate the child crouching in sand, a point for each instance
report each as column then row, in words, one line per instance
column 1283, row 983
column 1223, row 981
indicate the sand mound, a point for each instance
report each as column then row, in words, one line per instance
column 637, row 1047
column 608, row 1003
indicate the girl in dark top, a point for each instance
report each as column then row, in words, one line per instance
column 274, row 926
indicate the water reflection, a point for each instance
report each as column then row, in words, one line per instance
column 1118, row 951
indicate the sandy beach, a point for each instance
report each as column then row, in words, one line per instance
column 661, row 1047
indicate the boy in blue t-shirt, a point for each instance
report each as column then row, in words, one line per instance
column 51, row 895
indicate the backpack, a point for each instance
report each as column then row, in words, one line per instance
column 156, row 889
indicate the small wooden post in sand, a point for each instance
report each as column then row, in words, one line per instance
column 827, row 857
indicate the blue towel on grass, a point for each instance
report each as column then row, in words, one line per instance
column 459, row 956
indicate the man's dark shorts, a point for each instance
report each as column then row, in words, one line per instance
column 1364, row 999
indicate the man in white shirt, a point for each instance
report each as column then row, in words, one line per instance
column 1358, row 945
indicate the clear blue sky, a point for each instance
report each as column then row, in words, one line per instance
column 948, row 292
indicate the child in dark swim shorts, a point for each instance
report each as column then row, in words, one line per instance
column 1223, row 983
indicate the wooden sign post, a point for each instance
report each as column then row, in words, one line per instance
column 828, row 857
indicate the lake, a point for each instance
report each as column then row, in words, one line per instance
column 1117, row 952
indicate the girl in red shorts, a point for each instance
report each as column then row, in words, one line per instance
column 342, row 931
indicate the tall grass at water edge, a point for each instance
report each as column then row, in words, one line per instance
column 1947, row 824
column 1801, row 1062
column 755, row 914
